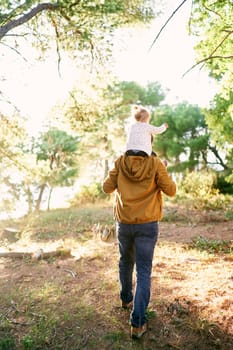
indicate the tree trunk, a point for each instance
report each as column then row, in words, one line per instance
column 37, row 255
column 26, row 17
column 204, row 157
column 49, row 199
column 29, row 199
column 221, row 162
column 39, row 199
column 106, row 168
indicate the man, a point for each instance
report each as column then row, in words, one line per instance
column 138, row 181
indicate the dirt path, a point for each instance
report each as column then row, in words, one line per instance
column 74, row 301
column 182, row 233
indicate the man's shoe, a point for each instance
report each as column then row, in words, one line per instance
column 137, row 332
column 127, row 305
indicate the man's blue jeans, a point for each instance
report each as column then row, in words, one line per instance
column 136, row 245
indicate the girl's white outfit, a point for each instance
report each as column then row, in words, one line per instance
column 139, row 137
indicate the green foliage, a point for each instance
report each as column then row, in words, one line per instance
column 70, row 221
column 223, row 185
column 44, row 330
column 75, row 26
column 51, row 159
column 53, row 145
column 220, row 122
column 28, row 343
column 213, row 246
column 59, row 151
column 99, row 110
column 150, row 313
column 88, row 194
column 200, row 189
column 219, row 119
column 229, row 179
column 15, row 165
column 186, row 138
column 211, row 21
column 132, row 93
column 7, row 343
column 229, row 214
column 199, row 183
column 115, row 338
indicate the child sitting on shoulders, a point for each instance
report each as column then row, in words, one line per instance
column 141, row 132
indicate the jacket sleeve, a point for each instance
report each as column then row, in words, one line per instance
column 110, row 182
column 157, row 129
column 164, row 180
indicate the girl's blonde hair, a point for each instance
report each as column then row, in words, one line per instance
column 141, row 114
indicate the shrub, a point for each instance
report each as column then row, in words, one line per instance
column 7, row 343
column 89, row 194
column 225, row 183
column 199, row 188
column 212, row 246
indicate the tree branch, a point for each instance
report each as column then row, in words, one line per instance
column 16, row 51
column 57, row 45
column 210, row 10
column 5, row 100
column 165, row 24
column 205, row 60
column 221, row 42
column 15, row 162
column 190, row 18
column 215, row 152
column 211, row 56
column 26, row 17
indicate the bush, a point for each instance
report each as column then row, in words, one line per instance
column 224, row 186
column 88, row 194
column 199, row 188
column 212, row 245
column 7, row 343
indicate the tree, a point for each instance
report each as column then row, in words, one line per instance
column 59, row 151
column 220, row 121
column 73, row 25
column 29, row 166
column 12, row 162
column 150, row 95
column 186, row 143
column 211, row 23
column 99, row 114
column 219, row 118
column 93, row 110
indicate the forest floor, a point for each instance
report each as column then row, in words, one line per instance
column 72, row 302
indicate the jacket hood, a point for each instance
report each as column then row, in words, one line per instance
column 137, row 168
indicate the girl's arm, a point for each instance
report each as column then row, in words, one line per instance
column 158, row 129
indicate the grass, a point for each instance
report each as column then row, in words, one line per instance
column 56, row 224
column 229, row 214
column 213, row 246
column 7, row 343
column 43, row 306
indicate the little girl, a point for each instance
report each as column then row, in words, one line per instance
column 140, row 133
